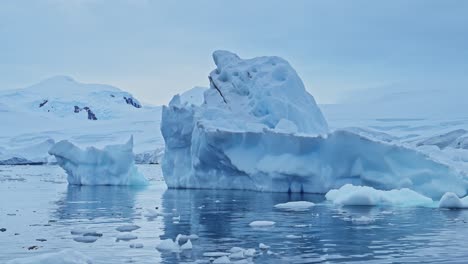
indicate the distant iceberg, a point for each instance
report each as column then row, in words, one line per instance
column 113, row 165
column 259, row 129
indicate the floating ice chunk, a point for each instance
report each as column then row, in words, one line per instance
column 293, row 236
column 187, row 246
column 295, row 206
column 362, row 220
column 126, row 237
column 237, row 255
column 79, row 230
column 215, row 254
column 113, row 165
column 136, row 245
column 168, row 245
column 235, row 249
column 451, row 201
column 250, row 252
column 262, row 223
column 127, row 228
column 86, row 239
column 364, row 195
column 222, row 260
column 263, row 246
column 67, row 256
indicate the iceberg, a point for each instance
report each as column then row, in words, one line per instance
column 259, row 129
column 113, row 165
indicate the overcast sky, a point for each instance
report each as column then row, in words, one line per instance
column 155, row 49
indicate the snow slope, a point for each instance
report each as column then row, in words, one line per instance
column 26, row 124
column 258, row 129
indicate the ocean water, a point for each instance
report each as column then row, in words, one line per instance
column 39, row 212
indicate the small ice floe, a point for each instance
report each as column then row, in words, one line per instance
column 183, row 238
column 222, row 260
column 295, row 206
column 67, row 256
column 86, row 239
column 293, row 236
column 125, row 237
column 451, row 201
column 168, row 245
column 262, row 224
column 187, row 246
column 362, row 220
column 215, row 254
column 79, row 231
column 263, row 246
column 127, row 228
column 365, row 195
column 302, row 225
column 136, row 245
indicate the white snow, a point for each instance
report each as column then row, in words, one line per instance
column 262, row 223
column 295, row 206
column 259, row 129
column 364, row 195
column 113, row 165
column 67, row 256
column 452, row 201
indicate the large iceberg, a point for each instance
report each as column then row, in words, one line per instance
column 259, row 129
column 113, row 165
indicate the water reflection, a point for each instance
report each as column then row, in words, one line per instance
column 325, row 233
column 97, row 202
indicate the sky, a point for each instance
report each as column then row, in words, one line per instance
column 155, row 49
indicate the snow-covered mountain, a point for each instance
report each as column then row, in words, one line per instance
column 87, row 114
column 62, row 96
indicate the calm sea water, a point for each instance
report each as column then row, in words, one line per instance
column 37, row 204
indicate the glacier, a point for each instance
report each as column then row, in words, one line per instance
column 259, row 129
column 112, row 165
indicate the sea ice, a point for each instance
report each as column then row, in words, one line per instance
column 364, row 195
column 113, row 165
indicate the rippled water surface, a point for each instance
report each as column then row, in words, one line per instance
column 36, row 204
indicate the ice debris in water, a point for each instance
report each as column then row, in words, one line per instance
column 86, row 239
column 126, row 237
column 364, row 195
column 136, row 245
column 127, row 228
column 112, row 165
column 295, row 206
column 262, row 223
